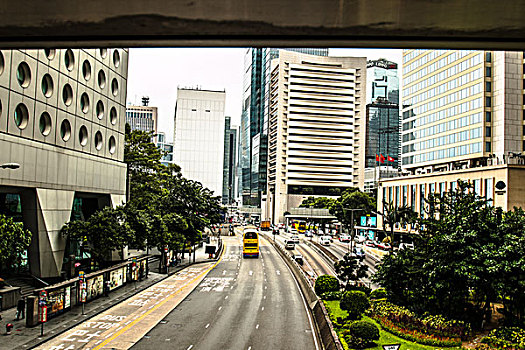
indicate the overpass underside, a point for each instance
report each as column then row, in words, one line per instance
column 474, row 24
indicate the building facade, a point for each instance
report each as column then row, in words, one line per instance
column 62, row 119
column 382, row 112
column 463, row 117
column 316, row 129
column 143, row 118
column 166, row 148
column 254, row 120
column 198, row 145
column 230, row 162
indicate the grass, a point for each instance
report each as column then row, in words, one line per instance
column 384, row 336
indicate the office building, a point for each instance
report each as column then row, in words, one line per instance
column 198, row 145
column 254, row 120
column 143, row 118
column 230, row 162
column 462, row 118
column 316, row 129
column 166, row 148
column 382, row 111
column 62, row 118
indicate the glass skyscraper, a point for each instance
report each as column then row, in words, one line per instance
column 254, row 120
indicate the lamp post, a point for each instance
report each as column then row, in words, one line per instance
column 352, row 233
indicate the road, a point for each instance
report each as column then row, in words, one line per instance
column 241, row 304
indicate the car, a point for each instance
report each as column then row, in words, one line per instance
column 289, row 245
column 359, row 252
column 293, row 231
column 384, row 246
column 280, row 226
column 344, row 238
column 275, row 231
column 371, row 244
column 320, row 232
column 295, row 239
column 325, row 240
column 308, row 234
column 360, row 239
column 298, row 258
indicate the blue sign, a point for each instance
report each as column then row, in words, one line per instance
column 369, row 221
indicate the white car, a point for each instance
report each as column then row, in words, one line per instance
column 344, row 238
column 360, row 239
column 295, row 239
column 325, row 240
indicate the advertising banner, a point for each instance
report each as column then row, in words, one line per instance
column 67, row 298
column 55, row 301
column 117, row 278
column 95, row 287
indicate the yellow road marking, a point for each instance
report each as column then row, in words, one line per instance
column 160, row 304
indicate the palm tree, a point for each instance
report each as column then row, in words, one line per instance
column 393, row 214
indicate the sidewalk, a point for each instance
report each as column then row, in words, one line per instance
column 22, row 337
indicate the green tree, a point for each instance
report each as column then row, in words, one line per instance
column 14, row 240
column 317, row 202
column 393, row 215
column 326, row 283
column 349, row 269
column 355, row 303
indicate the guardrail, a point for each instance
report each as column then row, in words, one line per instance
column 325, row 329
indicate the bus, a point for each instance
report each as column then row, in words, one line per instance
column 299, row 225
column 250, row 243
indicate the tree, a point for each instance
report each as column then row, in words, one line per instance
column 393, row 215
column 317, row 202
column 105, row 231
column 326, row 283
column 14, row 240
column 350, row 269
column 355, row 303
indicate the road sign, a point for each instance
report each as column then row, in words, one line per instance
column 391, row 346
column 43, row 314
column 83, row 292
column 81, row 275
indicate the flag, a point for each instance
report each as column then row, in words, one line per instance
column 377, row 157
column 390, row 159
column 381, row 158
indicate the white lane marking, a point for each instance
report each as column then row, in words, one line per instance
column 224, row 272
column 220, row 307
column 251, row 272
column 265, row 287
column 249, row 348
column 262, row 308
column 207, row 325
column 257, row 327
column 278, row 272
column 226, row 297
column 264, row 297
column 189, row 347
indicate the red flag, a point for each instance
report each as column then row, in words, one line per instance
column 381, row 158
column 390, row 159
column 377, row 157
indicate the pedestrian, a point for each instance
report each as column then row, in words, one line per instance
column 20, row 308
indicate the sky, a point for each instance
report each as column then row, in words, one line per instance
column 157, row 72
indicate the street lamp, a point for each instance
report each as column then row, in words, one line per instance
column 10, row 166
column 352, row 233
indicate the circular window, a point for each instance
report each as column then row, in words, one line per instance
column 114, row 87
column 50, row 53
column 45, row 123
column 98, row 140
column 116, row 58
column 69, row 60
column 83, row 136
column 21, row 116
column 86, row 70
column 100, row 109
column 47, row 85
column 103, row 53
column 101, row 79
column 65, row 130
column 113, row 115
column 2, row 63
column 112, row 145
column 84, row 103
column 67, row 95
column 23, row 75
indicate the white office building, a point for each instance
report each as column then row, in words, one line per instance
column 198, row 145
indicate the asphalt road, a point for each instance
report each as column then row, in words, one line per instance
column 241, row 304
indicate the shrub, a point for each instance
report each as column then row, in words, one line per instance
column 363, row 289
column 326, row 283
column 331, row 295
column 379, row 293
column 355, row 303
column 506, row 338
column 365, row 330
column 355, row 342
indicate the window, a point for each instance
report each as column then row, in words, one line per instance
column 45, row 123
column 441, row 187
column 487, row 131
column 487, row 147
column 86, row 70
column 488, row 71
column 489, row 191
column 67, row 95
column 84, row 103
column 21, row 116
column 50, row 53
column 23, row 75
column 47, row 86
column 477, row 187
column 421, row 199
column 112, row 145
column 83, row 136
column 65, row 130
column 101, row 79
column 488, row 86
column 116, row 58
column 488, row 117
column 98, row 140
column 113, row 115
column 488, row 56
column 488, row 102
column 69, row 60
column 100, row 109
column 413, row 197
column 453, row 185
column 405, row 195
column 397, row 196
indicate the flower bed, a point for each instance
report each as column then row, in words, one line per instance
column 431, row 330
column 511, row 338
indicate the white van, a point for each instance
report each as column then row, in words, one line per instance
column 325, row 240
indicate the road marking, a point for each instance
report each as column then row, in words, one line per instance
column 224, row 272
column 167, row 339
column 262, row 308
column 278, row 272
column 264, row 297
column 257, row 327
column 250, row 348
column 226, row 297
column 220, row 307
column 207, row 325
column 251, row 272
column 189, row 347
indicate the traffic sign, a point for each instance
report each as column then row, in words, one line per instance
column 43, row 314
column 391, row 346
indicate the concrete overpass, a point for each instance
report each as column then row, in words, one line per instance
column 482, row 24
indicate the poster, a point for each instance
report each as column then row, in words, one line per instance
column 55, row 301
column 95, row 287
column 67, row 298
column 117, row 278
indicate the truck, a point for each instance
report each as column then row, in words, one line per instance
column 265, row 225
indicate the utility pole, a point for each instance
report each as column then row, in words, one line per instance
column 352, row 233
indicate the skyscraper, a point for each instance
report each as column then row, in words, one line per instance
column 254, row 120
column 316, row 129
column 143, row 117
column 166, row 148
column 382, row 111
column 62, row 120
column 230, row 162
column 198, row 145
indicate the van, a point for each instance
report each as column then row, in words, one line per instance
column 325, row 240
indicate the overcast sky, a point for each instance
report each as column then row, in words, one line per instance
column 157, row 73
